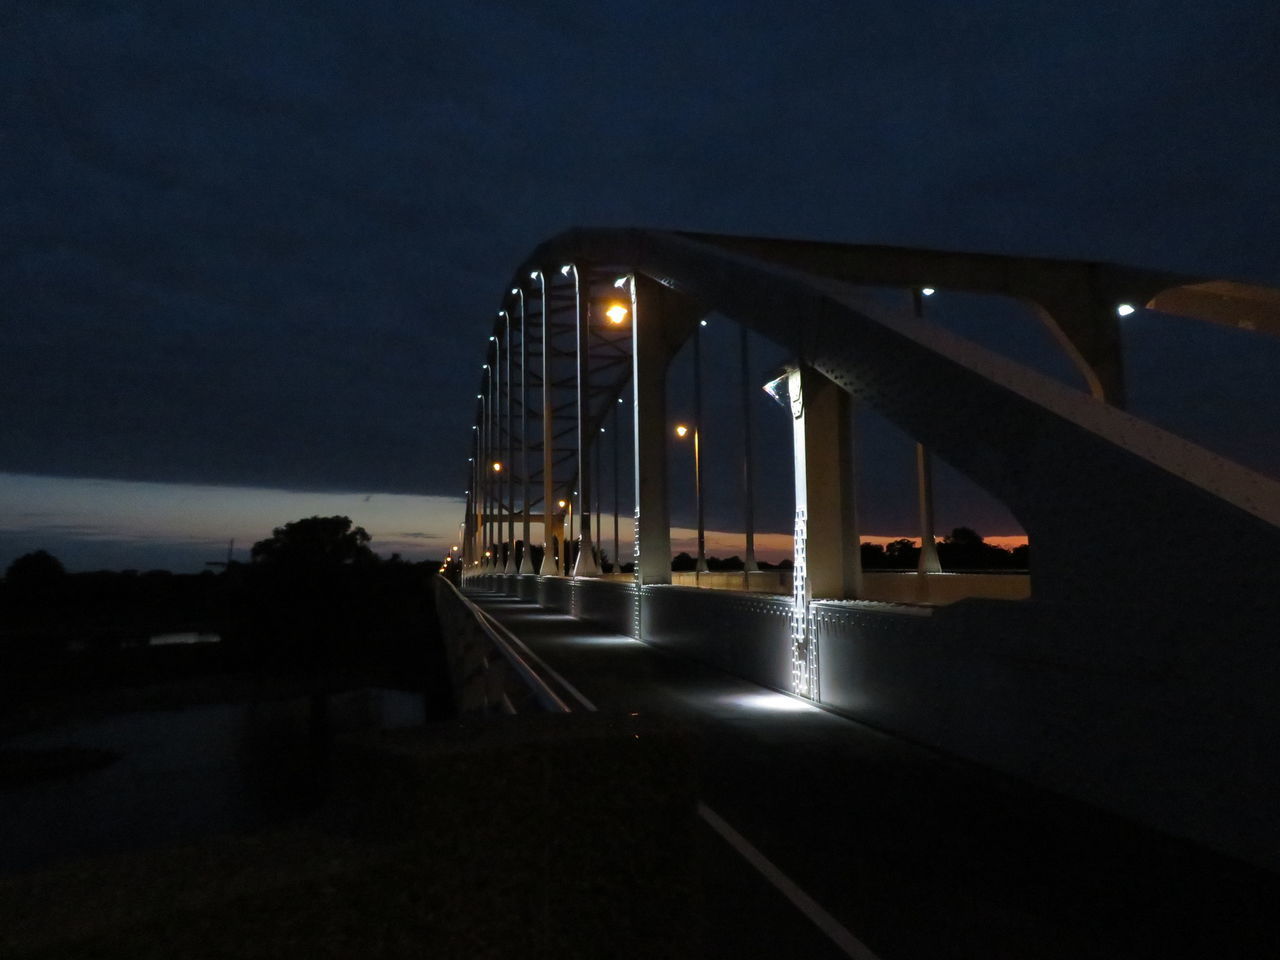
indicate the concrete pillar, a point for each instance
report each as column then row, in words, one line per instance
column 826, row 516
column 650, row 355
column 526, row 554
column 586, row 565
column 827, row 561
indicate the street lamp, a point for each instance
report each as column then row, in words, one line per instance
column 617, row 313
column 566, row 530
column 683, row 431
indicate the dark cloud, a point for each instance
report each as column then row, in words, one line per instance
column 251, row 245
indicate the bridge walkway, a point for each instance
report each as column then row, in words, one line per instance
column 909, row 853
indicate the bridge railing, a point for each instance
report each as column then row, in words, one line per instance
column 489, row 673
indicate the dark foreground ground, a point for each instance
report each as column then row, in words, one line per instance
column 585, row 836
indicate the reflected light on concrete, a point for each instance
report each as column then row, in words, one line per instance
column 768, row 702
column 603, row 640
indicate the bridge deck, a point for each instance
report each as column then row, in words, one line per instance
column 914, row 854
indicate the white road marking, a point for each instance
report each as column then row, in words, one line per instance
column 846, row 941
column 837, row 932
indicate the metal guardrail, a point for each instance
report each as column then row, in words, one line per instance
column 489, row 674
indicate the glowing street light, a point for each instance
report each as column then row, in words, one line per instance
column 497, row 467
column 683, row 431
column 617, row 313
column 927, row 291
column 1124, row 309
column 562, row 504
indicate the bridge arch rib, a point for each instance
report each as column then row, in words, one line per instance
column 1118, row 510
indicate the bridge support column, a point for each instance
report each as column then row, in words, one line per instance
column 586, row 565
column 509, row 465
column 650, row 354
column 929, row 562
column 828, row 564
column 548, row 567
column 822, row 421
column 526, row 554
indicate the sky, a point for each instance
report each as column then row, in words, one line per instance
column 251, row 252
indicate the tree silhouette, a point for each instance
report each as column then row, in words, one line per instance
column 34, row 570
column 316, row 542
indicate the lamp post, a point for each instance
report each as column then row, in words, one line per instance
column 701, row 566
column 526, row 554
column 567, row 533
column 509, row 408
column 682, row 431
column 585, row 564
column 748, row 480
column 616, row 314
column 548, row 568
column 928, row 562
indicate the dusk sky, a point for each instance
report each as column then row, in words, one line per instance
column 251, row 254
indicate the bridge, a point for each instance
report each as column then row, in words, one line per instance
column 1132, row 669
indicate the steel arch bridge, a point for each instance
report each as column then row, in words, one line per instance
column 1155, row 659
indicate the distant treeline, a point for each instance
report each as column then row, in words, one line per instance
column 964, row 549
column 314, row 598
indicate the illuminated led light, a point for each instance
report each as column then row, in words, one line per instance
column 682, row 430
column 777, row 388
column 564, row 271
column 927, row 291
column 514, row 291
column 501, row 313
column 619, row 399
column 620, row 282
column 616, row 313
column 1124, row 309
column 493, row 339
column 534, row 274
column 602, row 429
column 497, row 467
column 562, row 504
column 702, row 323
